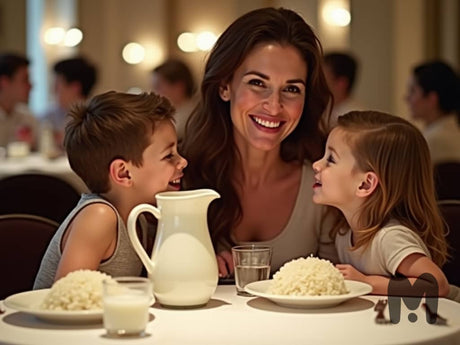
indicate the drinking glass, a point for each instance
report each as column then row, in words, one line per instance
column 126, row 302
column 252, row 263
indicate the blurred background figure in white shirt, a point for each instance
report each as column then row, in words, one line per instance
column 341, row 69
column 433, row 97
column 174, row 80
column 74, row 79
column 16, row 121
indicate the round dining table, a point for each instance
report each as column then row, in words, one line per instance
column 231, row 319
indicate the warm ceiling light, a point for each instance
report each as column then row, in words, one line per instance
column 205, row 40
column 187, row 42
column 73, row 37
column 54, row 35
column 133, row 53
column 336, row 15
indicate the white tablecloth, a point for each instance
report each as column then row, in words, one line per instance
column 231, row 319
column 36, row 163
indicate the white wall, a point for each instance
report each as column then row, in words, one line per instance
column 110, row 24
column 371, row 32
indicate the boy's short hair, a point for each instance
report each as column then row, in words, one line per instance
column 10, row 63
column 112, row 125
column 79, row 70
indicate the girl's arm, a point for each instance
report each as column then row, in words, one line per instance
column 412, row 267
column 379, row 283
column 90, row 239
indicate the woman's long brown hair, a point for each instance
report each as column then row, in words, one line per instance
column 209, row 144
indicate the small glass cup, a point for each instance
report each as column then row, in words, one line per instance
column 126, row 302
column 252, row 263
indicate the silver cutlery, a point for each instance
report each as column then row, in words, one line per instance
column 380, row 308
column 435, row 316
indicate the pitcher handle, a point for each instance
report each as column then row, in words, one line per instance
column 132, row 218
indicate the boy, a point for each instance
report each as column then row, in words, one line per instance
column 124, row 147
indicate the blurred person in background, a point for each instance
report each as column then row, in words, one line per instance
column 74, row 80
column 16, row 121
column 433, row 97
column 340, row 70
column 174, row 80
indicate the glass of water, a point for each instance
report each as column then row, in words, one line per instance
column 252, row 263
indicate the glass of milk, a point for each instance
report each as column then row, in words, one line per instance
column 126, row 302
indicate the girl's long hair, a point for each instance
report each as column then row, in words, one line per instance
column 397, row 153
column 209, row 144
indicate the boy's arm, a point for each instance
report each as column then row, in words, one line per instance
column 92, row 237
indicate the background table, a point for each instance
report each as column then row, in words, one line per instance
column 36, row 163
column 231, row 319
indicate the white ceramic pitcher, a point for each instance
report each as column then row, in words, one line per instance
column 183, row 266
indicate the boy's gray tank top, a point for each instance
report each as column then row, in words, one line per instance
column 123, row 262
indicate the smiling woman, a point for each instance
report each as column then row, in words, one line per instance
column 255, row 133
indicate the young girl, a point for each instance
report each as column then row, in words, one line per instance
column 377, row 171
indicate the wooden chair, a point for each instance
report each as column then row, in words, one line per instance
column 42, row 195
column 446, row 177
column 24, row 239
column 450, row 209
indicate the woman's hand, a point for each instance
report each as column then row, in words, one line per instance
column 225, row 264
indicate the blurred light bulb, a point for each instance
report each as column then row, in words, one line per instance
column 187, row 42
column 73, row 37
column 133, row 53
column 341, row 17
column 54, row 35
column 205, row 40
column 336, row 15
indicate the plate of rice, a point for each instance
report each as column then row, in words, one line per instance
column 308, row 283
column 75, row 298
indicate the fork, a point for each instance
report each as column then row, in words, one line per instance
column 379, row 308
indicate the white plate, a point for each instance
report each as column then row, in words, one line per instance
column 29, row 301
column 355, row 289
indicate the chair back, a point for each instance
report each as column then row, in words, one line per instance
column 447, row 180
column 42, row 195
column 450, row 210
column 24, row 239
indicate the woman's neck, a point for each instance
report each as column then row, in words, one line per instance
column 256, row 167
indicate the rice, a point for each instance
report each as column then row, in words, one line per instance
column 78, row 290
column 308, row 277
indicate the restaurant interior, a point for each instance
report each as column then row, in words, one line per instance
column 387, row 37
column 126, row 40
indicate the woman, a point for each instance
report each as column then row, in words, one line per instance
column 255, row 133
